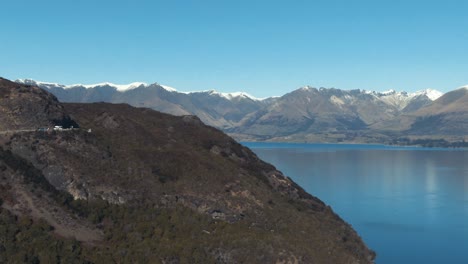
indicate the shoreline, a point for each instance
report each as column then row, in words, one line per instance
column 376, row 145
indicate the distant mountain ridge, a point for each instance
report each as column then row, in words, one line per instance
column 222, row 110
column 131, row 86
column 306, row 114
column 403, row 96
column 311, row 111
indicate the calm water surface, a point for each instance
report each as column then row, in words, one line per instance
column 409, row 204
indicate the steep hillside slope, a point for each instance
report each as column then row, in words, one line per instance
column 142, row 186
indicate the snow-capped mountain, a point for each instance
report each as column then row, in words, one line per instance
column 310, row 111
column 448, row 115
column 304, row 114
column 235, row 95
column 430, row 93
column 134, row 85
column 218, row 109
column 402, row 99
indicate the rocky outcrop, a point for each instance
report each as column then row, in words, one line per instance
column 27, row 107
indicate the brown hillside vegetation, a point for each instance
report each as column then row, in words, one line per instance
column 147, row 187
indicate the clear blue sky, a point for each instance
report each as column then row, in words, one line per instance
column 261, row 47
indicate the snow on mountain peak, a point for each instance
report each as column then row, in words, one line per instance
column 230, row 96
column 134, row 85
column 391, row 91
column 37, row 83
column 430, row 93
column 168, row 88
column 307, row 87
column 119, row 87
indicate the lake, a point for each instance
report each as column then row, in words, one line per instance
column 409, row 204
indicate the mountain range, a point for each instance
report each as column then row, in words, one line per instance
column 307, row 114
column 221, row 110
column 120, row 184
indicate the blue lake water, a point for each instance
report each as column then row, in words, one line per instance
column 409, row 204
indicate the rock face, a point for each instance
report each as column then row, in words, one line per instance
column 143, row 186
column 27, row 107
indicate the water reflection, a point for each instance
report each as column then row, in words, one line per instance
column 409, row 204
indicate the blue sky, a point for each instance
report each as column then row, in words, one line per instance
column 262, row 47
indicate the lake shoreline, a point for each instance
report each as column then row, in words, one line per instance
column 460, row 146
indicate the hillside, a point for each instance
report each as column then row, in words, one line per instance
column 448, row 115
column 29, row 108
column 329, row 115
column 144, row 186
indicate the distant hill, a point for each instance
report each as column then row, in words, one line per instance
column 311, row 114
column 134, row 185
column 448, row 115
